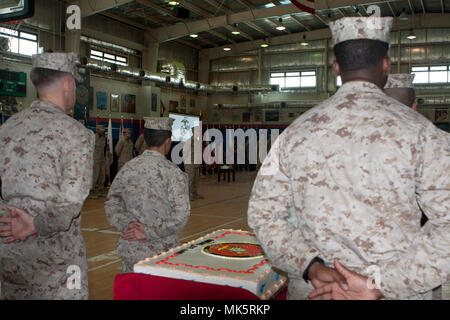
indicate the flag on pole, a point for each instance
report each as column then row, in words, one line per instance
column 110, row 136
column 121, row 127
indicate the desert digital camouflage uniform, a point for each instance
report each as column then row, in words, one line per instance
column 191, row 168
column 355, row 169
column 46, row 160
column 124, row 150
column 153, row 191
column 140, row 145
column 99, row 163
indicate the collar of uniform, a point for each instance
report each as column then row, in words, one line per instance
column 359, row 86
column 153, row 153
column 46, row 104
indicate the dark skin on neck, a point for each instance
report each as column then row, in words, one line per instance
column 376, row 74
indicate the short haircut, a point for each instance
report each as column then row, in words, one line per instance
column 42, row 77
column 156, row 138
column 407, row 96
column 360, row 54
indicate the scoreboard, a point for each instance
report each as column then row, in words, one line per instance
column 13, row 83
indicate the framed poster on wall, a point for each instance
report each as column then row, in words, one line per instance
column 115, row 103
column 128, row 103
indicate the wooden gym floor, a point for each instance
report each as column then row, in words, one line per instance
column 224, row 207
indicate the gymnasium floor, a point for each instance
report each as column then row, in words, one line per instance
column 224, row 207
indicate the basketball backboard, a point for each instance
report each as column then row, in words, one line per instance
column 11, row 10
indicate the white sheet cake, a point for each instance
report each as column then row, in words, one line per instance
column 224, row 257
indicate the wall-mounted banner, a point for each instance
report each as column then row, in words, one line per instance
column 305, row 5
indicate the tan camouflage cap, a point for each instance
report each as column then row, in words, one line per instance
column 354, row 28
column 58, row 61
column 126, row 130
column 163, row 123
column 400, row 80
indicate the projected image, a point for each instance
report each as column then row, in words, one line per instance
column 182, row 126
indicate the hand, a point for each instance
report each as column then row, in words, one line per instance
column 357, row 288
column 320, row 275
column 18, row 227
column 135, row 232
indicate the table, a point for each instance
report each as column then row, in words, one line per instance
column 225, row 169
column 138, row 286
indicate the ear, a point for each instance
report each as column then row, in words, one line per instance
column 414, row 106
column 387, row 66
column 336, row 68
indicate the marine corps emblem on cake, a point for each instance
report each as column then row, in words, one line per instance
column 234, row 250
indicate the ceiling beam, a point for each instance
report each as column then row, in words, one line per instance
column 89, row 8
column 431, row 20
column 442, row 6
column 259, row 29
column 392, row 9
column 200, row 11
column 299, row 21
column 423, row 7
column 411, row 7
column 150, row 4
column 181, row 30
column 219, row 6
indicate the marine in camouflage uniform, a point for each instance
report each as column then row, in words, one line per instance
column 140, row 145
column 191, row 168
column 356, row 168
column 99, row 161
column 46, row 170
column 124, row 149
column 152, row 191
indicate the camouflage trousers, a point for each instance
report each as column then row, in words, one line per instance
column 99, row 175
column 193, row 176
column 28, row 271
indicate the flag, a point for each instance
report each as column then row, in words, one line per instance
column 97, row 121
column 141, row 129
column 110, row 136
column 121, row 127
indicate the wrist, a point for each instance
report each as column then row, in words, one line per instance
column 312, row 268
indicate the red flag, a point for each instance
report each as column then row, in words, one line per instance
column 141, row 128
column 97, row 121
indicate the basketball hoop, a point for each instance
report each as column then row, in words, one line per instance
column 10, row 29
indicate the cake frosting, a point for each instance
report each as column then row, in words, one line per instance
column 225, row 257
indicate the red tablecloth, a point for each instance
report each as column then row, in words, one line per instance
column 137, row 286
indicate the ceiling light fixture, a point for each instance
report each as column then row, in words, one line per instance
column 411, row 35
column 264, row 45
column 235, row 30
column 226, row 49
column 403, row 16
column 174, row 3
column 194, row 35
column 280, row 26
column 304, row 42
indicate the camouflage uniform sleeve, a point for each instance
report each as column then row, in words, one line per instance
column 426, row 263
column 115, row 205
column 76, row 180
column 176, row 219
column 119, row 147
column 269, row 213
column 139, row 143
